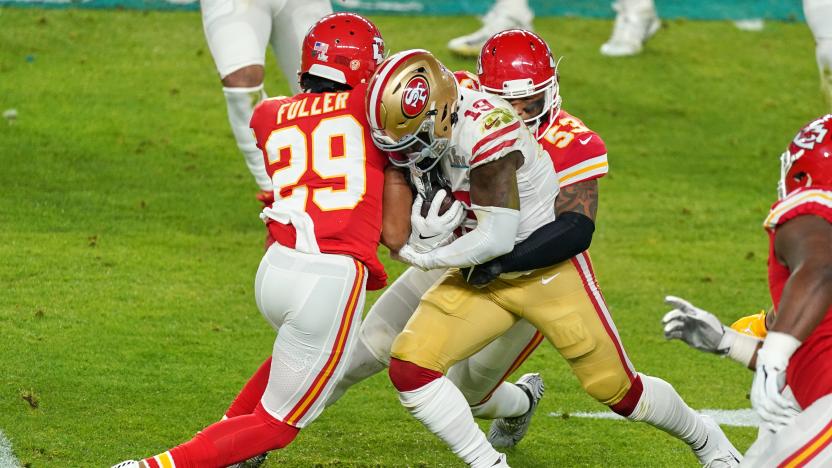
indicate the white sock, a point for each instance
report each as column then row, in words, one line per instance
column 661, row 407
column 441, row 407
column 508, row 401
column 240, row 103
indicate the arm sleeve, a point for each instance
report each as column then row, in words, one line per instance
column 551, row 244
column 494, row 235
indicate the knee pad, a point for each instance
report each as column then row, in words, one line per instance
column 607, row 387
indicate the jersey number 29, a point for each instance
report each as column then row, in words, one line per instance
column 337, row 154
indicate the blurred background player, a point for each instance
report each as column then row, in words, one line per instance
column 503, row 15
column 327, row 221
column 636, row 21
column 819, row 18
column 792, row 388
column 238, row 33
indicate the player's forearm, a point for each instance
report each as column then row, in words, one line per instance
column 806, row 298
column 550, row 244
column 494, row 236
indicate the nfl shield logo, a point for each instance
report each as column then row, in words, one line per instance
column 319, row 51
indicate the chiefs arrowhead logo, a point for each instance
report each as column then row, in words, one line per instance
column 812, row 134
column 415, row 96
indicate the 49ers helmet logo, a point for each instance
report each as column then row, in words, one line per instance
column 415, row 96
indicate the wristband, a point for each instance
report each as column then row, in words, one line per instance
column 743, row 347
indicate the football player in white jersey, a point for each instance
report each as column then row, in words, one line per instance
column 238, row 33
column 492, row 165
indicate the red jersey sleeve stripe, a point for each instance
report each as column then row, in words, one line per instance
column 485, row 154
column 494, row 136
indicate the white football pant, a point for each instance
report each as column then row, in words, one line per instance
column 804, row 442
column 238, row 31
column 477, row 377
column 314, row 301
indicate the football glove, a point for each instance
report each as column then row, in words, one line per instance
column 434, row 230
column 480, row 275
column 698, row 328
column 767, row 399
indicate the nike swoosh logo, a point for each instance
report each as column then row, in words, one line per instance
column 428, row 237
column 548, row 280
column 583, row 142
column 491, row 124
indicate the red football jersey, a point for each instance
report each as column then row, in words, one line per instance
column 577, row 152
column 328, row 176
column 810, row 369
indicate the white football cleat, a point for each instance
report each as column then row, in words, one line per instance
column 507, row 432
column 718, row 451
column 505, row 14
column 128, row 464
column 631, row 30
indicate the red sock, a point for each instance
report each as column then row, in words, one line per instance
column 252, row 392
column 230, row 441
column 407, row 376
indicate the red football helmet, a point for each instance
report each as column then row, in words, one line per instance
column 518, row 64
column 467, row 79
column 342, row 47
column 808, row 160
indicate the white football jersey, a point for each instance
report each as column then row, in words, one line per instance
column 488, row 129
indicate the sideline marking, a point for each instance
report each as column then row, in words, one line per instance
column 7, row 457
column 740, row 417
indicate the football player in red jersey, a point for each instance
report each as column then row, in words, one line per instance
column 330, row 184
column 792, row 388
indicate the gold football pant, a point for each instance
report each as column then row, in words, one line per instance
column 454, row 321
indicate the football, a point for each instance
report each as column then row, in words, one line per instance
column 446, row 202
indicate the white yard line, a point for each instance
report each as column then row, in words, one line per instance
column 739, row 418
column 7, row 458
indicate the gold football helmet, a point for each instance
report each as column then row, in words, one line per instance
column 411, row 107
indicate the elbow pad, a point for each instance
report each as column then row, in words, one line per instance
column 551, row 244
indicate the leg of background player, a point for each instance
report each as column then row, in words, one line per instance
column 237, row 33
column 290, row 26
column 635, row 22
column 504, row 14
column 819, row 18
column 243, row 89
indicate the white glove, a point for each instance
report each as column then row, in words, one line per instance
column 410, row 256
column 696, row 327
column 766, row 397
column 434, row 230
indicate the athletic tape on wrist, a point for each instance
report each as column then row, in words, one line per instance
column 743, row 348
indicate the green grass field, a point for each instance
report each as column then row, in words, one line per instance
column 129, row 234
